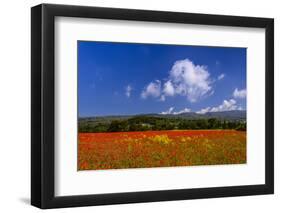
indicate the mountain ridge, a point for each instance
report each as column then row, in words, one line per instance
column 222, row 115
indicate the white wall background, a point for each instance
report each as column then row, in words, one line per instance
column 15, row 105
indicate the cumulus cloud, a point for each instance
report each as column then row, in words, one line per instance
column 128, row 91
column 187, row 79
column 153, row 89
column 204, row 110
column 168, row 89
column 182, row 111
column 240, row 93
column 171, row 111
column 221, row 76
column 227, row 105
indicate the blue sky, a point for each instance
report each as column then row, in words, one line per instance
column 129, row 78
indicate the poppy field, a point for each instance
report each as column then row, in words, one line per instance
column 168, row 148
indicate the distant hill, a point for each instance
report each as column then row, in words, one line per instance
column 144, row 122
column 225, row 115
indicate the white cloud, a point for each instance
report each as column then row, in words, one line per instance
column 153, row 89
column 240, row 93
column 203, row 111
column 221, row 76
column 182, row 111
column 188, row 79
column 171, row 111
column 185, row 79
column 168, row 89
column 227, row 105
column 128, row 91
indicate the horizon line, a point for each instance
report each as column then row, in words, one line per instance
column 115, row 115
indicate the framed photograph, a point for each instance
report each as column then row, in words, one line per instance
column 136, row 106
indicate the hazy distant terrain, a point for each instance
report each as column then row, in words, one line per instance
column 235, row 119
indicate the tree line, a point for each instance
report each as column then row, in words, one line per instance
column 146, row 123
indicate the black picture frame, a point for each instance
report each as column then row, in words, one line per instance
column 43, row 114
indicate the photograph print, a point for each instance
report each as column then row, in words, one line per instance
column 160, row 105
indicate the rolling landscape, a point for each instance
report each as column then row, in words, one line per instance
column 235, row 119
column 155, row 140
